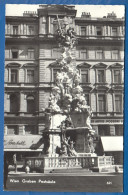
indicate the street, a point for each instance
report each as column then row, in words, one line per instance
column 69, row 182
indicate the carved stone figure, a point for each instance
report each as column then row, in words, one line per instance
column 63, row 151
column 71, row 150
column 91, row 146
column 67, row 96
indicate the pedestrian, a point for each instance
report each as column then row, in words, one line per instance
column 5, row 172
column 15, row 162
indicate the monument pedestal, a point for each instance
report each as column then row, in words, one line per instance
column 55, row 142
column 78, row 132
column 81, row 144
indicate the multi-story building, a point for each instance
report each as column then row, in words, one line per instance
column 31, row 51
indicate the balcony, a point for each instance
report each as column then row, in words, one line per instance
column 87, row 85
column 107, row 116
column 21, row 84
column 81, row 37
column 50, row 36
column 102, row 86
column 117, row 86
column 20, row 37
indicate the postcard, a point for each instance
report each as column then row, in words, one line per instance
column 63, row 98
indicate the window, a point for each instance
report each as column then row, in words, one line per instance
column 99, row 54
column 14, row 75
column 31, row 53
column 84, row 76
column 98, row 31
column 117, row 76
column 118, row 103
column 112, row 130
column 30, row 76
column 14, row 103
column 12, row 130
column 100, row 76
column 87, row 98
column 30, row 104
column 107, row 30
column 31, row 30
column 14, row 53
column 114, row 31
column 15, row 30
column 83, row 30
column 55, row 27
column 115, row 54
column 30, row 129
column 43, row 19
column 90, row 30
column 54, row 74
column 119, row 130
column 83, row 54
column 103, row 130
column 101, row 101
column 56, row 53
column 8, row 29
column 122, row 30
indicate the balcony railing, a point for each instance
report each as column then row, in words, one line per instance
column 51, row 35
column 118, row 85
column 20, row 35
column 106, row 113
column 101, row 37
column 50, row 163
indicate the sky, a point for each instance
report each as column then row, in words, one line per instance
column 95, row 10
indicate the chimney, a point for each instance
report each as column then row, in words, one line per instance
column 29, row 13
column 85, row 15
column 111, row 15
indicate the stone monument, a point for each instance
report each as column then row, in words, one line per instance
column 68, row 113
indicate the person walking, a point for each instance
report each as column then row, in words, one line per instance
column 5, row 172
column 15, row 162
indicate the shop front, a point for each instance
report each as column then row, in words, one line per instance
column 113, row 146
column 22, row 146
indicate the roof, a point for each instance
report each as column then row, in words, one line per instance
column 21, row 19
column 112, row 143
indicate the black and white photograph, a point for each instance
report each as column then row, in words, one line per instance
column 64, row 98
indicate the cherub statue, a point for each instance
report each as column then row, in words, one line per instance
column 88, row 119
column 71, row 150
column 63, row 150
column 90, row 143
column 53, row 104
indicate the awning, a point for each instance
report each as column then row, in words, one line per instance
column 23, row 142
column 112, row 143
column 22, row 150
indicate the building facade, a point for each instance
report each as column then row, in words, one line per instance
column 31, row 50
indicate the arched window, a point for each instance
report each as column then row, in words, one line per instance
column 14, row 103
column 117, row 73
column 30, row 104
column 84, row 75
column 14, row 75
column 117, row 76
column 100, row 69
